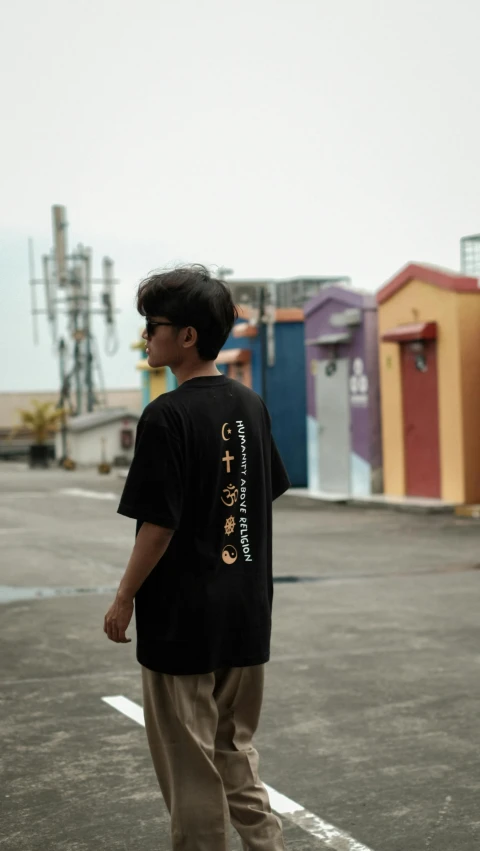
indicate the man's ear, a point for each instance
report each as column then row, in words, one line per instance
column 190, row 337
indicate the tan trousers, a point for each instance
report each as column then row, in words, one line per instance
column 200, row 730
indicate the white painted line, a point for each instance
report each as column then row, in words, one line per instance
column 330, row 835
column 88, row 494
column 281, row 804
column 128, row 707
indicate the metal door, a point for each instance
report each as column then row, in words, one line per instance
column 420, row 419
column 333, row 417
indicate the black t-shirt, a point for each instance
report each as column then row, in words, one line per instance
column 206, row 466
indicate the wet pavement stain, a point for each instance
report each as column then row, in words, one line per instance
column 293, row 579
column 15, row 594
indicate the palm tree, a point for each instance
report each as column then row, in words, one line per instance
column 42, row 421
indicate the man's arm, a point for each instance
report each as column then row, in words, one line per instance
column 151, row 544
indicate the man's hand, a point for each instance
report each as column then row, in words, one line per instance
column 150, row 545
column 118, row 618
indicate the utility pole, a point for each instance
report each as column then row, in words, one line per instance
column 88, row 333
column 69, row 298
column 64, row 393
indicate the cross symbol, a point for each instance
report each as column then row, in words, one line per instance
column 227, row 460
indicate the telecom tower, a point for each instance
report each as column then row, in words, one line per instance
column 470, row 255
column 69, row 304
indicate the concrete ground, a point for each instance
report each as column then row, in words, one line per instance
column 371, row 715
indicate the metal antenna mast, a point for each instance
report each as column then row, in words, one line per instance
column 70, row 301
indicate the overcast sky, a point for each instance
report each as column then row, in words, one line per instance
column 276, row 137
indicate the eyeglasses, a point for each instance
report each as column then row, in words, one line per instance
column 150, row 326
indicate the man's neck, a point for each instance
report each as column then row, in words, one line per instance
column 205, row 369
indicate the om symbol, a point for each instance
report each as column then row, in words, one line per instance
column 231, row 495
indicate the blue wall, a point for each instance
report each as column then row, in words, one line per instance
column 287, row 399
column 286, row 393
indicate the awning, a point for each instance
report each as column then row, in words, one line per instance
column 244, row 329
column 330, row 339
column 234, row 356
column 410, row 333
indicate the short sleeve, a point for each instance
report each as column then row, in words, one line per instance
column 280, row 480
column 153, row 491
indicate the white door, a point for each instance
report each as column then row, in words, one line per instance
column 333, row 417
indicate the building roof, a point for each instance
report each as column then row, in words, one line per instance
column 411, row 332
column 349, row 297
column 10, row 402
column 323, row 280
column 296, row 279
column 444, row 279
column 86, row 422
column 282, row 314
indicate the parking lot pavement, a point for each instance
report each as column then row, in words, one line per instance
column 371, row 709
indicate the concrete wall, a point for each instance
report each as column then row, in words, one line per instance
column 85, row 447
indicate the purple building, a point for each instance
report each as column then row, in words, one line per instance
column 343, row 404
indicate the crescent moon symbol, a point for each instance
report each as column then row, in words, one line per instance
column 223, row 431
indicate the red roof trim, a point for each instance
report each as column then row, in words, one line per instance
column 413, row 331
column 244, row 329
column 436, row 277
column 234, row 356
column 282, row 314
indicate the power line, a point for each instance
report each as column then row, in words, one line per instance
column 71, row 297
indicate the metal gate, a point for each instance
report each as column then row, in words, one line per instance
column 333, row 417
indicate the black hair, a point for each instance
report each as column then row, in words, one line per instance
column 189, row 295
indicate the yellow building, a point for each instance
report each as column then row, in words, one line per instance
column 154, row 381
column 429, row 328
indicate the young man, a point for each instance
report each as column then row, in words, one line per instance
column 201, row 487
